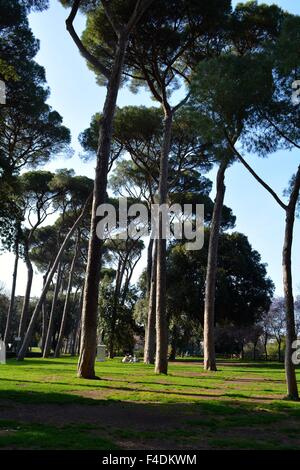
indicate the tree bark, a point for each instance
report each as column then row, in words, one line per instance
column 77, row 326
column 266, row 347
column 173, row 351
column 45, row 319
column 67, row 300
column 7, row 333
column 149, row 348
column 149, row 263
column 292, row 389
column 161, row 358
column 49, row 337
column 119, row 277
column 212, row 261
column 39, row 304
column 26, row 301
column 279, row 351
column 88, row 343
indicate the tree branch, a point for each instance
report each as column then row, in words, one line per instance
column 140, row 8
column 280, row 132
column 255, row 175
column 110, row 16
column 181, row 103
column 295, row 191
column 85, row 53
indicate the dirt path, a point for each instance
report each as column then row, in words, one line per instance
column 138, row 417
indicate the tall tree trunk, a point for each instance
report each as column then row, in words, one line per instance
column 77, row 325
column 279, row 351
column 26, row 301
column 292, row 389
column 58, row 258
column 86, row 364
column 7, row 333
column 45, row 319
column 254, row 351
column 212, row 260
column 119, row 276
column 149, row 348
column 67, row 300
column 266, row 347
column 149, row 263
column 161, row 358
column 173, row 351
column 48, row 342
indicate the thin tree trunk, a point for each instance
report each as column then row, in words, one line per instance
column 45, row 319
column 149, row 263
column 254, row 351
column 67, row 300
column 279, row 351
column 149, row 348
column 161, row 358
column 265, row 347
column 58, row 258
column 7, row 333
column 212, row 261
column 173, row 351
column 88, row 345
column 77, row 325
column 49, row 337
column 119, row 276
column 26, row 301
column 292, row 389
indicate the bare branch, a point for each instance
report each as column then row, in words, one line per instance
column 110, row 16
column 255, row 175
column 140, row 8
column 85, row 53
column 181, row 103
column 295, row 191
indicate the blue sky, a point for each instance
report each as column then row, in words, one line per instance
column 75, row 94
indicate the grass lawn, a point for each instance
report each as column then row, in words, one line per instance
column 44, row 406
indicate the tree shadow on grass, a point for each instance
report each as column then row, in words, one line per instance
column 144, row 424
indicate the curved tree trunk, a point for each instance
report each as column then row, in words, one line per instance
column 48, row 342
column 210, row 284
column 161, row 358
column 292, row 389
column 58, row 258
column 7, row 333
column 67, row 300
column 86, row 366
column 26, row 301
column 149, row 348
column 88, row 344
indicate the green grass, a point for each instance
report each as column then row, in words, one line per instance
column 34, row 436
column 240, row 406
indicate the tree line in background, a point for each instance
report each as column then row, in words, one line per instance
column 221, row 81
